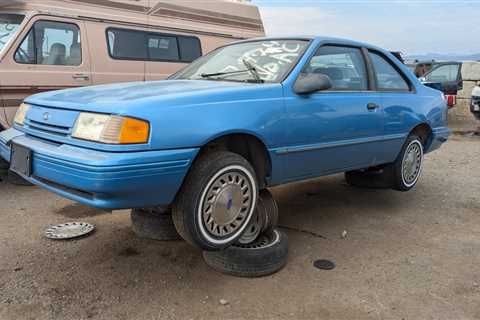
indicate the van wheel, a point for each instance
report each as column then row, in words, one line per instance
column 409, row 164
column 153, row 224
column 265, row 256
column 216, row 201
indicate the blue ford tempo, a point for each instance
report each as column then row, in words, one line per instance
column 247, row 116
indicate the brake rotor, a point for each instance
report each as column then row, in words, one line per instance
column 70, row 230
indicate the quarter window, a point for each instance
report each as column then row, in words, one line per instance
column 388, row 78
column 147, row 46
column 344, row 66
column 51, row 43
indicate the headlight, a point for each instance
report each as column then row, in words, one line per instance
column 110, row 129
column 21, row 114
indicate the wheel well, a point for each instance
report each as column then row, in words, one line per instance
column 247, row 146
column 423, row 131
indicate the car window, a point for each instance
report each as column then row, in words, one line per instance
column 51, row 43
column 344, row 66
column 388, row 78
column 126, row 44
column 443, row 73
column 9, row 26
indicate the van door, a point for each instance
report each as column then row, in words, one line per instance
column 51, row 54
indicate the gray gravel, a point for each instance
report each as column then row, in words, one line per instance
column 402, row 256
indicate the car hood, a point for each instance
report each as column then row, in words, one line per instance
column 125, row 97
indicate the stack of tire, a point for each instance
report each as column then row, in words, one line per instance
column 261, row 250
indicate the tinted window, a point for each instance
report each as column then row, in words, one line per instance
column 190, row 48
column 388, row 78
column 51, row 43
column 444, row 73
column 147, row 46
column 162, row 48
column 127, row 44
column 344, row 66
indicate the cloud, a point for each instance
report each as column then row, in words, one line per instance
column 401, row 26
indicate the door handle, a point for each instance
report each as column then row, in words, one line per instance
column 372, row 106
column 81, row 77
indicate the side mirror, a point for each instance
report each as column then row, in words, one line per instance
column 312, row 82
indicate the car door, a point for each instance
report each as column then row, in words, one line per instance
column 334, row 130
column 446, row 76
column 398, row 100
column 52, row 54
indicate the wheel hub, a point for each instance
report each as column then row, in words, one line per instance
column 412, row 162
column 227, row 204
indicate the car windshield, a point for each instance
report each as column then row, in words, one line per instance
column 256, row 61
column 9, row 25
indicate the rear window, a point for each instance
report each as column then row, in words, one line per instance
column 147, row 46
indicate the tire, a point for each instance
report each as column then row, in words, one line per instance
column 265, row 218
column 404, row 178
column 217, row 201
column 267, row 255
column 370, row 179
column 155, row 225
column 17, row 180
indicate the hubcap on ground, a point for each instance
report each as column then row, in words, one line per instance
column 412, row 163
column 227, row 204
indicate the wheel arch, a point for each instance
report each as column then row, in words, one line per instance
column 245, row 144
column 424, row 131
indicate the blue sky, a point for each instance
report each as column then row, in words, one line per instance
column 413, row 27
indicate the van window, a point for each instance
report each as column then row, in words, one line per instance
column 9, row 25
column 51, row 43
column 147, row 46
column 444, row 73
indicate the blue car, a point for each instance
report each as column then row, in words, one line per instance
column 247, row 116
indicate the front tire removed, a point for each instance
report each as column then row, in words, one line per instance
column 265, row 256
column 216, row 201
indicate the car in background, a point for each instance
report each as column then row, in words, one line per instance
column 51, row 44
column 245, row 117
column 446, row 77
column 475, row 102
column 421, row 67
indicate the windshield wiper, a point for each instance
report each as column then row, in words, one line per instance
column 251, row 68
column 208, row 75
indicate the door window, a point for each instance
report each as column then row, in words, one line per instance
column 443, row 73
column 51, row 43
column 388, row 78
column 9, row 25
column 344, row 66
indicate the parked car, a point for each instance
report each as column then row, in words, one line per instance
column 51, row 44
column 475, row 102
column 247, row 116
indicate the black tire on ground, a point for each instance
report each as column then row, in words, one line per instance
column 17, row 180
column 400, row 181
column 265, row 256
column 270, row 208
column 380, row 178
column 192, row 202
column 153, row 224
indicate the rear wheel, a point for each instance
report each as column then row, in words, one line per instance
column 217, row 201
column 409, row 164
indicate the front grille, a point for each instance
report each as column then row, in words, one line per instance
column 48, row 128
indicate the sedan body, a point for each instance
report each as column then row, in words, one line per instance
column 294, row 108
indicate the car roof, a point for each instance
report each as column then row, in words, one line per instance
column 327, row 39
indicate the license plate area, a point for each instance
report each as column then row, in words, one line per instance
column 21, row 160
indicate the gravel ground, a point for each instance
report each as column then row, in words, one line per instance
column 405, row 256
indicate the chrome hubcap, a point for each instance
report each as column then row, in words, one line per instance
column 227, row 204
column 412, row 163
column 253, row 230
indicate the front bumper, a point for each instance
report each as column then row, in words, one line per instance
column 100, row 179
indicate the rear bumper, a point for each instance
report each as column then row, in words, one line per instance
column 105, row 180
column 439, row 136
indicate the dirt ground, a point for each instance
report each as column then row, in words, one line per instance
column 406, row 256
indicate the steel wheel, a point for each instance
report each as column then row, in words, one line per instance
column 254, row 228
column 412, row 163
column 227, row 204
